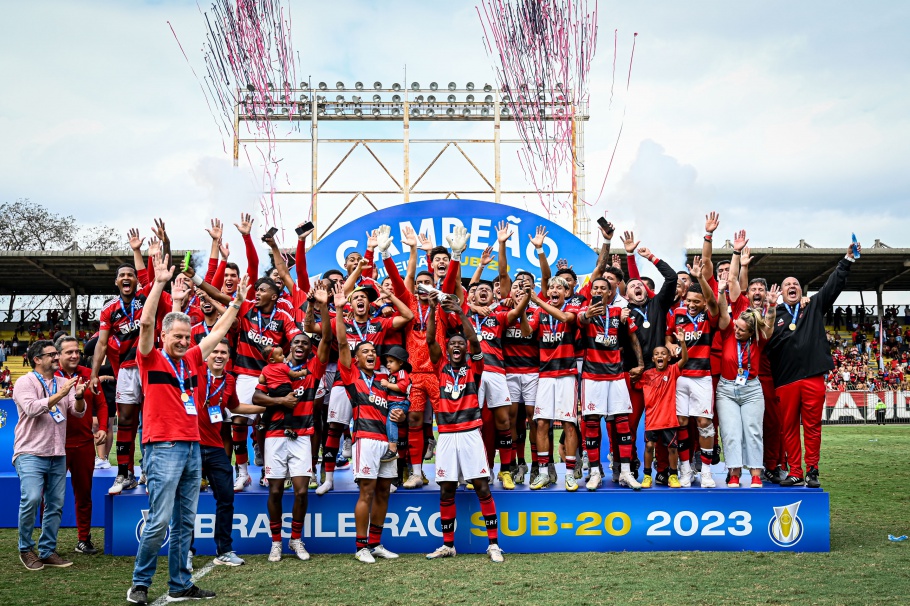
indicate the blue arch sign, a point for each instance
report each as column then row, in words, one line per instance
column 437, row 218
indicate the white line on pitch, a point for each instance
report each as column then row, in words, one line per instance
column 205, row 570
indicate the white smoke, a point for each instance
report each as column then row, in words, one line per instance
column 662, row 201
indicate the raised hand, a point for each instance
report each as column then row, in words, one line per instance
column 850, row 249
column 179, row 291
column 503, row 231
column 712, row 221
column 216, row 230
column 425, row 243
column 384, row 238
column 163, row 273
column 745, row 257
column 608, row 232
column 616, row 262
column 160, row 231
column 624, row 314
column 246, row 224
column 134, row 239
column 371, row 240
column 154, row 246
column 487, row 257
column 320, row 294
column 538, row 238
column 773, row 295
column 302, row 236
column 408, row 237
column 269, row 240
column 339, row 299
column 629, row 241
column 243, row 287
column 723, row 275
column 680, row 334
column 458, row 239
column 562, row 264
column 645, row 252
column 224, row 249
column 740, row 240
column 696, row 268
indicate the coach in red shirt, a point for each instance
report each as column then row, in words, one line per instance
column 170, row 436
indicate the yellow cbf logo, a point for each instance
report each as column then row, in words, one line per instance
column 785, row 528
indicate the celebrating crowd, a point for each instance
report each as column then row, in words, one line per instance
column 353, row 367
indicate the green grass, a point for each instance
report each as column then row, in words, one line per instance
column 867, row 480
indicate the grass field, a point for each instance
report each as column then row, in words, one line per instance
column 863, row 468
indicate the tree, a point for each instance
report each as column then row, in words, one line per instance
column 27, row 225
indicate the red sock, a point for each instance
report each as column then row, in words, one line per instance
column 543, row 459
column 623, row 438
column 330, row 452
column 682, row 439
column 534, row 456
column 126, row 435
column 488, row 509
column 241, row 450
column 592, row 440
column 447, row 521
column 570, row 463
column 296, row 529
column 504, row 443
column 375, row 537
column 361, row 542
column 416, row 445
column 275, row 527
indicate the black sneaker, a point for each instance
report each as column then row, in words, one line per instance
column 662, row 478
column 86, row 547
column 390, row 455
column 812, row 478
column 193, row 593
column 771, row 476
column 138, row 594
column 792, row 481
column 636, row 465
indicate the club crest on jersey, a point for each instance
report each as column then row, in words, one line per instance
column 614, row 322
column 365, row 469
column 440, row 473
column 490, row 321
column 591, row 406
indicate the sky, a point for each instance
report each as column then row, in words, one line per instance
column 788, row 118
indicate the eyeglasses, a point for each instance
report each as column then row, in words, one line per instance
column 55, row 354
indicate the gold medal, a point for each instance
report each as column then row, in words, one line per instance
column 185, row 397
column 792, row 325
column 740, row 372
column 456, row 393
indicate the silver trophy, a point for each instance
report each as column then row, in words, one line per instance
column 432, row 291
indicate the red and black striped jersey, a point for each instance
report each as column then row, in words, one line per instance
column 375, row 330
column 459, row 408
column 121, row 320
column 369, row 402
column 258, row 331
column 300, row 420
column 521, row 354
column 401, row 379
column 604, row 340
column 699, row 332
column 558, row 342
column 490, row 330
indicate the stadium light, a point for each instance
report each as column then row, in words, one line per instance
column 451, row 98
column 431, row 99
column 376, row 98
column 415, row 86
column 470, row 86
column 323, row 86
column 450, row 112
column 339, row 98
column 430, row 113
column 376, row 111
column 358, row 112
column 359, row 85
column 304, row 86
column 487, row 88
column 419, row 98
column 452, row 86
column 396, row 98
column 488, row 99
column 469, row 98
column 377, row 85
column 396, row 111
column 434, row 86
column 484, row 111
column 466, row 112
column 396, row 87
column 415, row 111
column 339, row 85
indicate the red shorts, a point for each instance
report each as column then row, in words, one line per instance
column 424, row 386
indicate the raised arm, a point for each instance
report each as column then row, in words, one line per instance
column 503, row 233
column 213, row 293
column 537, row 241
column 683, row 348
column 745, row 258
column 303, row 277
column 733, row 282
column 409, row 239
column 712, row 221
column 698, row 272
column 341, row 335
column 321, row 298
column 667, row 292
column 451, row 306
column 136, row 244
column 252, row 257
column 161, row 233
column 519, row 310
column 351, row 282
column 215, row 231
column 405, row 315
column 835, row 283
column 562, row 316
column 163, row 274
column 383, row 243
column 485, row 259
column 224, row 323
column 432, row 344
column 770, row 310
column 604, row 257
column 281, row 265
column 723, row 309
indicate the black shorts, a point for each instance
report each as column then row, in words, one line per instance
column 666, row 436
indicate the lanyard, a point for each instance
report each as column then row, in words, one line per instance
column 423, row 316
column 369, row 383
column 478, row 322
column 793, row 313
column 357, row 328
column 190, row 304
column 208, row 387
column 259, row 319
column 297, row 368
column 456, row 388
column 739, row 356
column 205, row 327
column 550, row 318
column 47, row 390
column 693, row 320
column 132, row 313
column 181, row 377
column 643, row 314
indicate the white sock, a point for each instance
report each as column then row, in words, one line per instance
column 685, row 466
column 418, row 469
column 243, row 469
column 330, row 477
column 625, row 468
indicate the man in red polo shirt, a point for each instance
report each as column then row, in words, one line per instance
column 170, row 436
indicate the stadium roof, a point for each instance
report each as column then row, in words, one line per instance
column 29, row 272
column 92, row 272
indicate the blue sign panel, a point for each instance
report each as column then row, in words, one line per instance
column 437, row 218
column 612, row 519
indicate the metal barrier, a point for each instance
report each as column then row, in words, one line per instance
column 859, row 407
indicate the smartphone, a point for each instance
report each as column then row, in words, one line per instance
column 853, row 246
column 270, row 234
column 308, row 226
column 602, row 221
column 187, row 260
column 596, row 300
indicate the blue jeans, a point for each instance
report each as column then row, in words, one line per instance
column 741, row 410
column 40, row 477
column 391, row 427
column 216, row 468
column 174, row 471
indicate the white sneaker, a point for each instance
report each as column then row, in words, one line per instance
column 443, row 551
column 346, row 449
column 627, row 479
column 143, row 479
column 707, row 480
column 98, row 462
column 275, row 552
column 413, row 481
column 119, row 483
column 595, row 480
column 495, row 553
column 296, row 545
column 105, row 464
column 325, row 487
column 364, row 556
column 685, row 475
column 381, row 552
column 229, row 559
column 243, row 480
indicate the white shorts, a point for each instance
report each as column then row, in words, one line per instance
column 607, row 398
column 493, row 392
column 129, row 388
column 325, row 385
column 694, row 397
column 339, row 406
column 365, row 460
column 461, row 456
column 555, row 399
column 523, row 387
column 246, row 387
column 288, row 458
